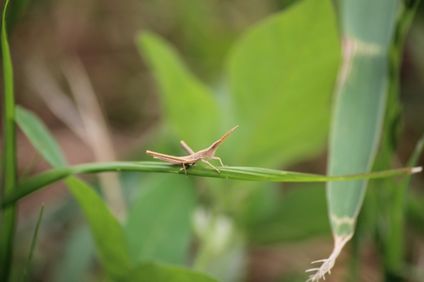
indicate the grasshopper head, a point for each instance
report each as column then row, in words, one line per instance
column 210, row 152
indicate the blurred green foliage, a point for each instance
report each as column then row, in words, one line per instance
column 275, row 81
column 284, row 118
column 148, row 272
column 273, row 92
column 109, row 235
column 107, row 232
column 301, row 214
column 188, row 105
column 159, row 222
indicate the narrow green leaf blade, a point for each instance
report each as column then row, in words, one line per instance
column 40, row 137
column 418, row 150
column 159, row 223
column 107, row 232
column 188, row 105
column 281, row 75
column 32, row 247
column 8, row 182
column 235, row 173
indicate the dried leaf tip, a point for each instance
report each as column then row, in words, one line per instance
column 417, row 169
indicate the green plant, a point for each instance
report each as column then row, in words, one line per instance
column 9, row 155
column 283, row 108
column 366, row 99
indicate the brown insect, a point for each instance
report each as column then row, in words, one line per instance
column 193, row 157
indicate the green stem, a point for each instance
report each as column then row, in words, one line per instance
column 228, row 172
column 9, row 149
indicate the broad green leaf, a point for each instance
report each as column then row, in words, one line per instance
column 107, row 232
column 155, row 272
column 281, row 74
column 360, row 106
column 204, row 17
column 358, row 114
column 188, row 105
column 356, row 130
column 159, row 223
column 36, row 131
column 370, row 23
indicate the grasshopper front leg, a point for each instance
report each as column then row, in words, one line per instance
column 218, row 159
column 184, row 168
column 211, row 165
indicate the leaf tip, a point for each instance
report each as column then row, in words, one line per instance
column 319, row 273
column 417, row 169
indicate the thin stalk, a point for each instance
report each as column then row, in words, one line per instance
column 228, row 172
column 9, row 151
column 32, row 248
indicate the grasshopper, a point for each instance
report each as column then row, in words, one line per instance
column 193, row 157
